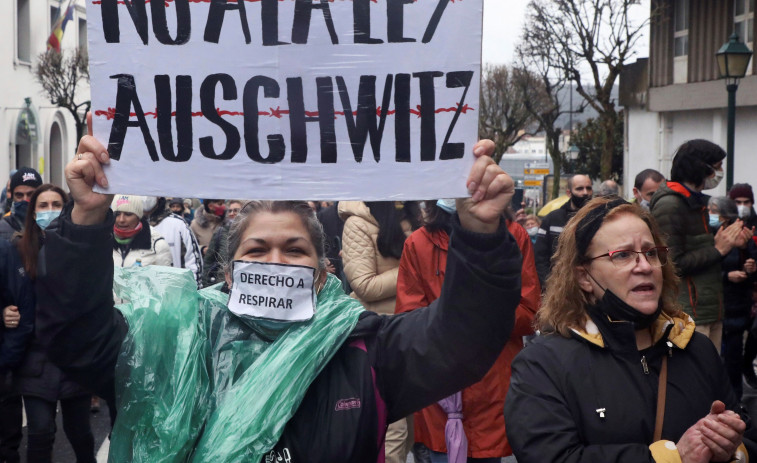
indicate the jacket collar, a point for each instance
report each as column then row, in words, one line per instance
column 605, row 333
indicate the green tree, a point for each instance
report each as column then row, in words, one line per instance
column 593, row 38
column 503, row 116
column 60, row 75
column 590, row 138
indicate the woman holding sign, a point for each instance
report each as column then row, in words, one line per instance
column 284, row 367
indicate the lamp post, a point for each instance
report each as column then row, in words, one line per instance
column 733, row 60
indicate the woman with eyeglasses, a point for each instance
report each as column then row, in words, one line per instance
column 619, row 373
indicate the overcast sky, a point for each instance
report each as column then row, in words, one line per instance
column 503, row 24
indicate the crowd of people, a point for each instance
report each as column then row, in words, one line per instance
column 455, row 330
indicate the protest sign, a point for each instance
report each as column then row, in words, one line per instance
column 286, row 99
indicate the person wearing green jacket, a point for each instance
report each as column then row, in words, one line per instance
column 680, row 208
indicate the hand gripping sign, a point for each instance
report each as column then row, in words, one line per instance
column 277, row 292
column 286, row 99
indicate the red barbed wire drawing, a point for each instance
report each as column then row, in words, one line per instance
column 278, row 113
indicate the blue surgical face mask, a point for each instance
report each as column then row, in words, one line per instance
column 44, row 218
column 714, row 220
column 447, row 205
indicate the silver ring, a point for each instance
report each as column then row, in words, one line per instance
column 80, row 156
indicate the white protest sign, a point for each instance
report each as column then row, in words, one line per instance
column 286, row 99
column 272, row 291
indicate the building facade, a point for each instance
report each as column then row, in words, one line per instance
column 676, row 95
column 33, row 132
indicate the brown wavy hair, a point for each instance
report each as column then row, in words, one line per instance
column 564, row 303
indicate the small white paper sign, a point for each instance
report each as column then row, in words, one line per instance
column 286, row 99
column 272, row 291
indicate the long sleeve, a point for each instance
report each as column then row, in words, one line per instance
column 688, row 260
column 427, row 354
column 530, row 292
column 192, row 257
column 16, row 290
column 361, row 263
column 410, row 294
column 76, row 319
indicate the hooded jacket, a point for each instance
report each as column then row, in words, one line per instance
column 185, row 251
column 683, row 219
column 593, row 397
column 387, row 368
column 373, row 277
column 147, row 246
column 421, row 275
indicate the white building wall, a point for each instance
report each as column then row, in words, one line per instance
column 654, row 137
column 17, row 82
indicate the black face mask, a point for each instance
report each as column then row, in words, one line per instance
column 579, row 201
column 19, row 209
column 615, row 308
column 618, row 310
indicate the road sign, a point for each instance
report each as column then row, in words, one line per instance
column 530, row 182
column 536, row 171
column 536, row 168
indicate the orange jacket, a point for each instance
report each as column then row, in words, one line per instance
column 421, row 274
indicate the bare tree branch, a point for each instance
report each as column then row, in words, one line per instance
column 59, row 75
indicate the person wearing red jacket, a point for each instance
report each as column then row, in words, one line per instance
column 421, row 274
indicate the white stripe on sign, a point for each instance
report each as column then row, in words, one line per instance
column 555, row 229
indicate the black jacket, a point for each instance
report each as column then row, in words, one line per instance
column 737, row 297
column 592, row 398
column 9, row 225
column 546, row 240
column 409, row 361
column 15, row 289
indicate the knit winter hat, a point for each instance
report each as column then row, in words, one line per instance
column 173, row 201
column 26, row 176
column 127, row 203
column 741, row 190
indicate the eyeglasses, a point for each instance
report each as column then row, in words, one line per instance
column 657, row 257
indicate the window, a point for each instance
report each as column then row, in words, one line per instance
column 681, row 28
column 681, row 42
column 83, row 34
column 54, row 12
column 743, row 23
column 23, row 40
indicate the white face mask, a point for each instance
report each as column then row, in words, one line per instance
column 532, row 231
column 644, row 204
column 276, row 295
column 744, row 211
column 713, row 182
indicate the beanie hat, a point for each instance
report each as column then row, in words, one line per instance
column 173, row 201
column 127, row 203
column 741, row 190
column 26, row 176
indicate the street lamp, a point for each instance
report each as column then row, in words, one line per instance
column 733, row 60
column 572, row 155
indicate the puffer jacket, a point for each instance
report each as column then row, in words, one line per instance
column 421, row 274
column 373, row 277
column 593, row 397
column 148, row 247
column 683, row 219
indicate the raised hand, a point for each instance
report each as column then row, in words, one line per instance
column 84, row 170
column 491, row 191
